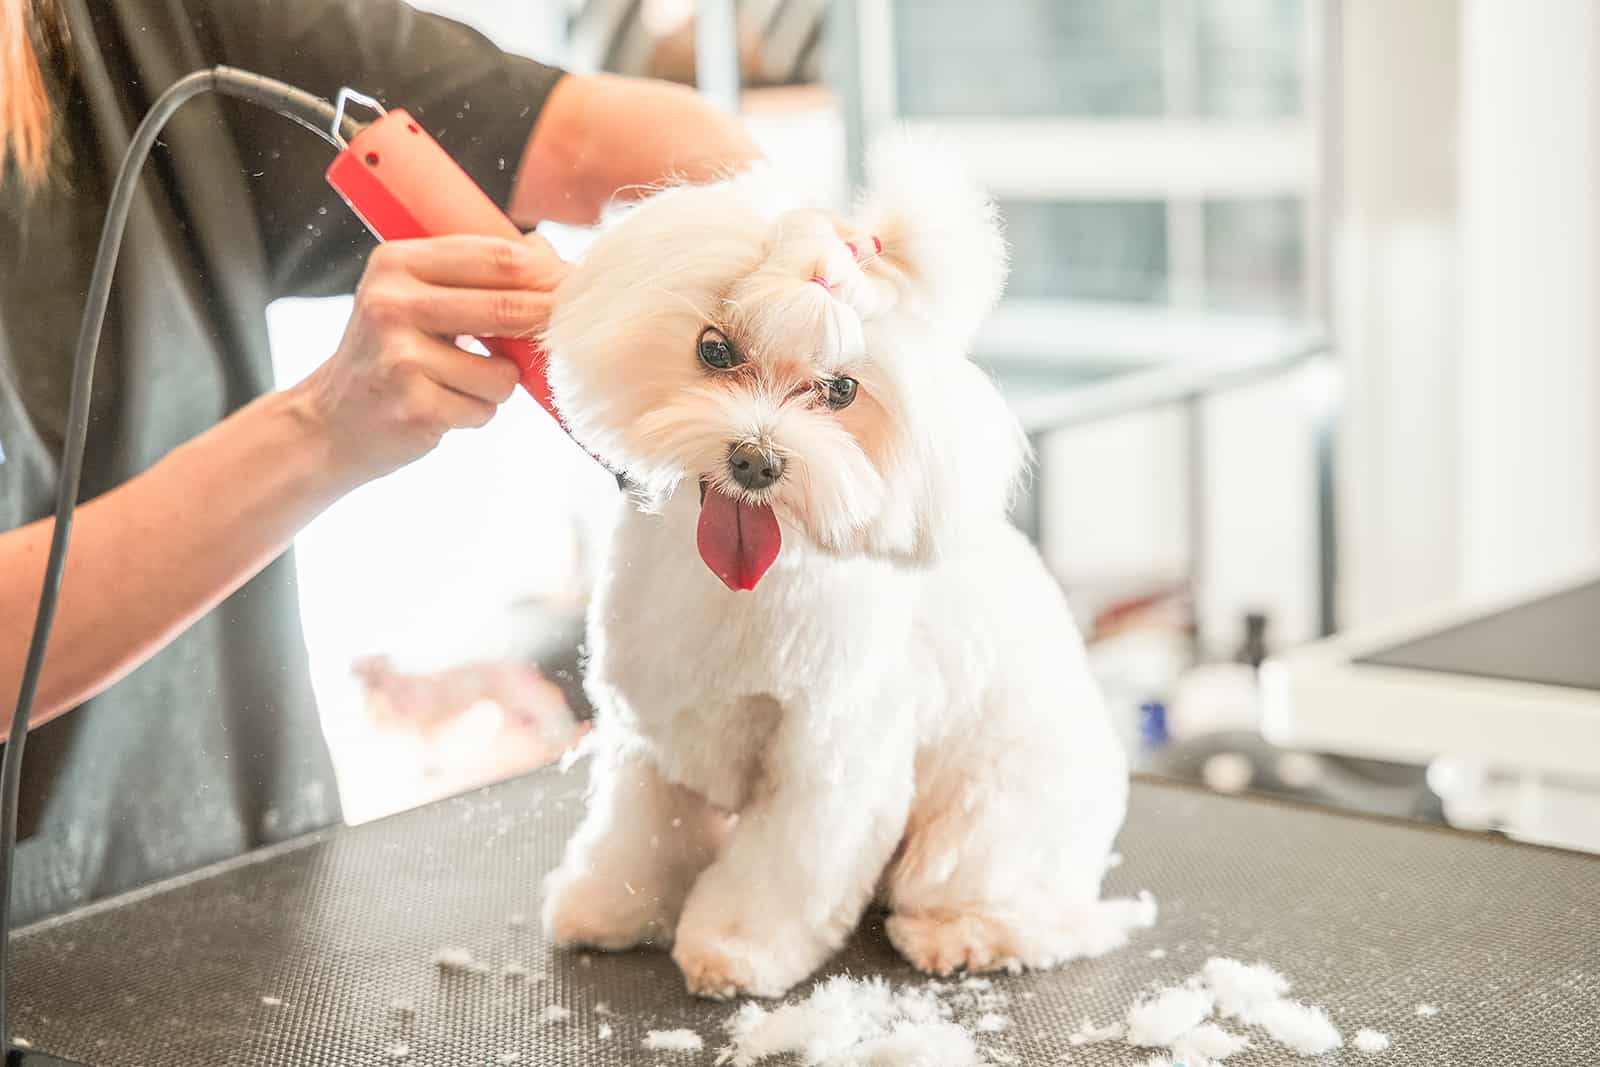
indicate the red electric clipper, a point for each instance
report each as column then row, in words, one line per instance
column 402, row 184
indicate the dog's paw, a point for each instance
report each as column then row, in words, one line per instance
column 727, row 966
column 718, row 969
column 946, row 942
column 583, row 909
column 721, row 955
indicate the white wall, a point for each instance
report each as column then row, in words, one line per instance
column 1467, row 272
column 1529, row 431
column 1396, row 304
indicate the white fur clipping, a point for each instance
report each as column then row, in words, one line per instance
column 455, row 960
column 1090, row 1034
column 1240, row 987
column 1164, row 1018
column 1179, row 1019
column 856, row 1023
column 1207, row 1042
column 1371, row 1041
column 673, row 1041
column 1303, row 1027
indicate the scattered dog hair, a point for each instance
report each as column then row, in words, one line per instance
column 1177, row 1018
column 514, row 971
column 1304, row 1028
column 673, row 1041
column 1090, row 1034
column 1240, row 987
column 1206, row 1043
column 1426, row 1010
column 1156, row 954
column 941, row 1043
column 272, row 1002
column 1160, row 1020
column 1371, row 1041
column 846, row 1022
column 453, row 960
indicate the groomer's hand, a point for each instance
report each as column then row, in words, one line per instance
column 398, row 382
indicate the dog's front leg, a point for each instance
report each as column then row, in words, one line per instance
column 628, row 868
column 804, row 857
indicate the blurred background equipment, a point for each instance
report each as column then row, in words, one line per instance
column 1503, row 700
column 779, row 42
column 1300, row 324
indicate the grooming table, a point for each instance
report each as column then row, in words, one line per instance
column 1513, row 684
column 1368, row 918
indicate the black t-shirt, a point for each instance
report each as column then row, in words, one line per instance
column 213, row 746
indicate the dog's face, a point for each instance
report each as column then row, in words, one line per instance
column 791, row 368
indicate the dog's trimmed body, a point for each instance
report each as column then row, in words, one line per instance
column 901, row 708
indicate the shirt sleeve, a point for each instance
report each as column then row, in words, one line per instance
column 478, row 101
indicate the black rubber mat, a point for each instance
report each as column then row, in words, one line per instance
column 1368, row 918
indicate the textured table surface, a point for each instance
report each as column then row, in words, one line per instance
column 1368, row 918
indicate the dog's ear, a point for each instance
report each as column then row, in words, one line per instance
column 940, row 235
column 973, row 457
column 959, row 453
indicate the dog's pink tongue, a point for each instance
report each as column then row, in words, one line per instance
column 738, row 541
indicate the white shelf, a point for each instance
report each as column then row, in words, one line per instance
column 1049, row 332
column 1121, row 159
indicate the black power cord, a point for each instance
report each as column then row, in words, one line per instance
column 316, row 115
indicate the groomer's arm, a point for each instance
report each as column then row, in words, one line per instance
column 149, row 558
column 603, row 136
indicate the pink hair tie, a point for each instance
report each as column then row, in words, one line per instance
column 820, row 280
column 877, row 247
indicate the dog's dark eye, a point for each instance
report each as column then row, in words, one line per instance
column 839, row 392
column 715, row 351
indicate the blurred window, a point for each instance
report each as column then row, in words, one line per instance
column 1147, row 152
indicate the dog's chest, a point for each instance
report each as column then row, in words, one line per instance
column 689, row 667
column 705, row 675
column 706, row 725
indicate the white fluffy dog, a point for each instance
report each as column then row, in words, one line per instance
column 901, row 707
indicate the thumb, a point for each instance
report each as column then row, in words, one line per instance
column 552, row 269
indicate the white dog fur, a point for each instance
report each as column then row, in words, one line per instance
column 901, row 709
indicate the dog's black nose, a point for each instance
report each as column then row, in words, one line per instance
column 754, row 467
